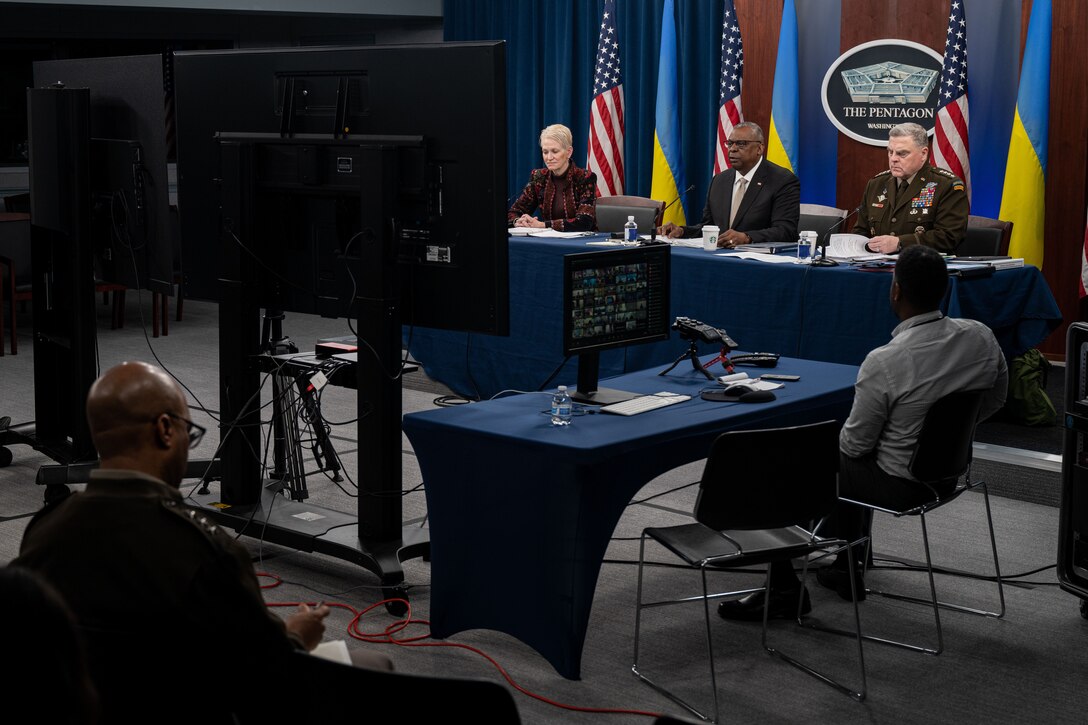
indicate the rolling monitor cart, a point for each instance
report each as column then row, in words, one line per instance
column 613, row 299
column 61, row 259
column 1073, row 527
column 313, row 180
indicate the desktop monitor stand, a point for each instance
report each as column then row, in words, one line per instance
column 588, row 391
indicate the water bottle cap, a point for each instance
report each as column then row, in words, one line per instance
column 562, row 388
column 631, row 218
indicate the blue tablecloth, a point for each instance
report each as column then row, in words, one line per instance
column 520, row 511
column 833, row 314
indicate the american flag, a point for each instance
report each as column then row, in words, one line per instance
column 729, row 114
column 606, row 112
column 950, row 147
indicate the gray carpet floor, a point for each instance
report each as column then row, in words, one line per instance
column 1031, row 666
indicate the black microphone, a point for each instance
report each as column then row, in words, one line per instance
column 685, row 191
column 821, row 242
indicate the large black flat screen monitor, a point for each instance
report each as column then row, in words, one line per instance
column 128, row 103
column 612, row 299
column 301, row 214
column 454, row 262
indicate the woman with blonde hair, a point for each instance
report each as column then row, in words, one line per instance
column 565, row 194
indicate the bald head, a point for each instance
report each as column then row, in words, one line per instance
column 134, row 411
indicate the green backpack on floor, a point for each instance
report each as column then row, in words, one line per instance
column 1027, row 402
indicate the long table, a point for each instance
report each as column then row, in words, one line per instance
column 833, row 314
column 521, row 512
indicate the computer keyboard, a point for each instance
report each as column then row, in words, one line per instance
column 641, row 404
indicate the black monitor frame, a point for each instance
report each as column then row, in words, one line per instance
column 653, row 268
column 452, row 94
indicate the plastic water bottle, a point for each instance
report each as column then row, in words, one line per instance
column 804, row 248
column 630, row 234
column 561, row 406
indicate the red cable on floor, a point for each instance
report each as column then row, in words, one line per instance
column 386, row 637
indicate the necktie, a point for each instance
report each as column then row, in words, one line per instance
column 738, row 196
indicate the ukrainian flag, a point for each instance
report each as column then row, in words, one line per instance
column 785, row 118
column 1023, row 199
column 668, row 172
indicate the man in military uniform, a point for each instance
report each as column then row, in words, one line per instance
column 912, row 202
column 163, row 596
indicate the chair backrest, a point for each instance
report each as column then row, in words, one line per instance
column 819, row 223
column 19, row 203
column 15, row 245
column 821, row 210
column 948, row 432
column 985, row 237
column 141, row 681
column 765, row 479
column 322, row 691
column 980, row 242
column 628, row 205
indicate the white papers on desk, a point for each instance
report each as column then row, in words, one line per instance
column 762, row 257
column 694, row 242
column 335, row 651
column 743, row 379
column 547, row 233
column 852, row 247
column 995, row 262
column 754, row 383
column 611, row 243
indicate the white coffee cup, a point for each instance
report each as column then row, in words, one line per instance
column 710, row 237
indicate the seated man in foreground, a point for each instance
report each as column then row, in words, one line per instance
column 137, row 565
column 929, row 357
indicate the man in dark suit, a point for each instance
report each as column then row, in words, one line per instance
column 767, row 196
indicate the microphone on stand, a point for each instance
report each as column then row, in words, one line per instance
column 821, row 242
column 653, row 239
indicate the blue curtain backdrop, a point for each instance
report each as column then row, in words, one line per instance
column 551, row 46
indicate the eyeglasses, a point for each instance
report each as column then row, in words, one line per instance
column 196, row 432
column 739, row 144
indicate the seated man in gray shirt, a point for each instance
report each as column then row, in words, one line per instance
column 929, row 356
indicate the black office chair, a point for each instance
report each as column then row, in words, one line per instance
column 756, row 487
column 985, row 237
column 943, row 454
column 629, row 205
column 818, row 218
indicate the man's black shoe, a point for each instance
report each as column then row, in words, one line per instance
column 838, row 578
column 750, row 608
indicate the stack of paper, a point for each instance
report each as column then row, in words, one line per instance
column 851, row 247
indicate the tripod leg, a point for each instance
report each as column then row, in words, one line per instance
column 698, row 365
column 676, row 362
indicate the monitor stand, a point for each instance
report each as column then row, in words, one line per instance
column 588, row 391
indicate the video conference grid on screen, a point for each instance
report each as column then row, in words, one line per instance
column 613, row 302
